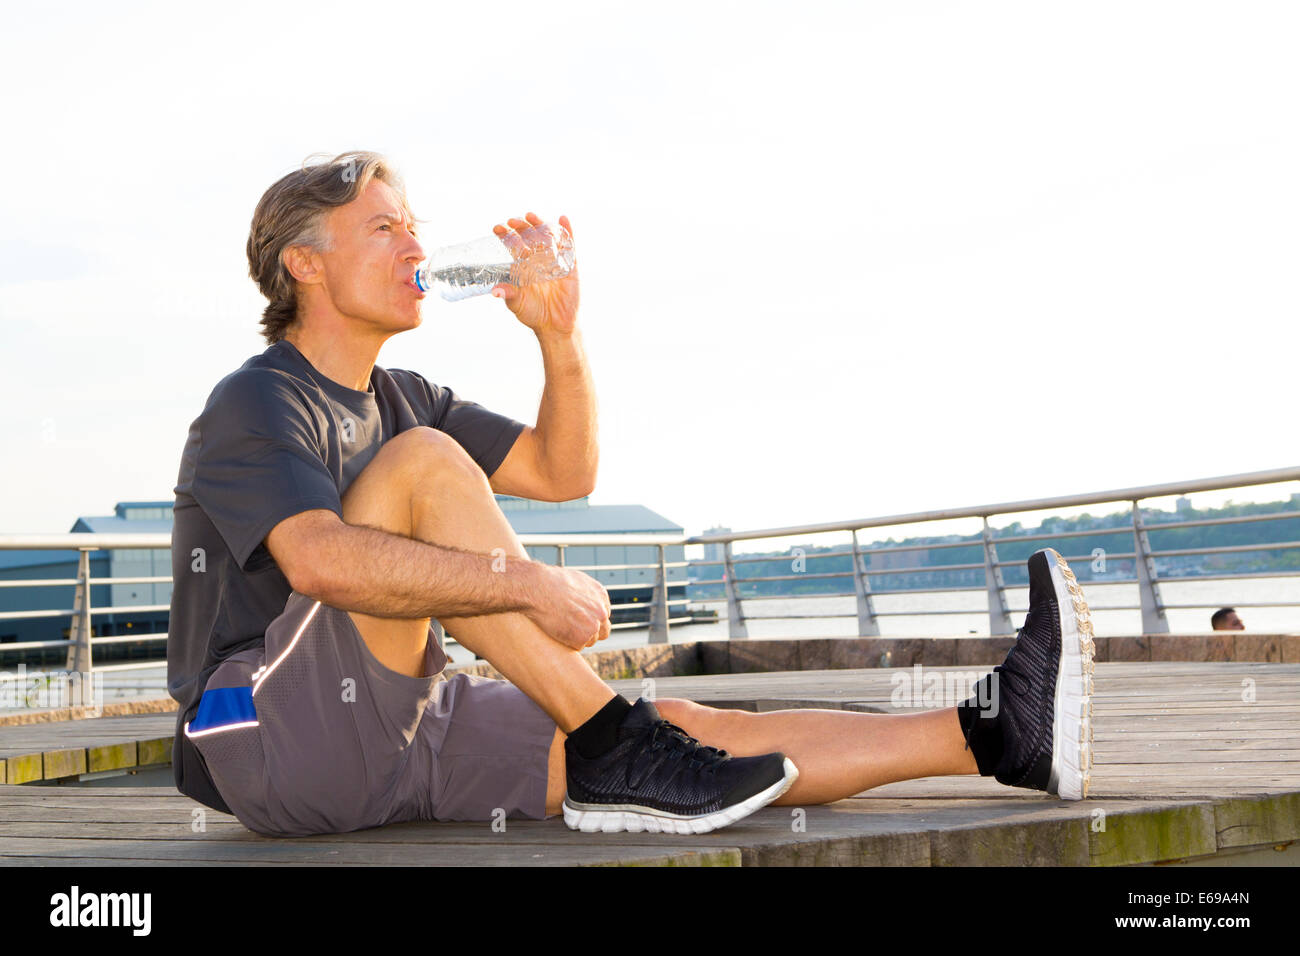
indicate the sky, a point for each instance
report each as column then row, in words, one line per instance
column 838, row 260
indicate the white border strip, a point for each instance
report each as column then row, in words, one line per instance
column 217, row 730
column 271, row 670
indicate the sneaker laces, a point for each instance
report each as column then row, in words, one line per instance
column 668, row 736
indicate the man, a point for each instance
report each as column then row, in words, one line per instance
column 1226, row 619
column 327, row 509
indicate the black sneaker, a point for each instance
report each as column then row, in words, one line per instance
column 1042, row 692
column 659, row 780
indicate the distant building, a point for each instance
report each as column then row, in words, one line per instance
column 153, row 599
column 136, row 517
column 1183, row 505
column 579, row 517
column 129, row 517
column 909, row 558
column 715, row 551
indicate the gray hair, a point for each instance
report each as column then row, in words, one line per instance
column 292, row 213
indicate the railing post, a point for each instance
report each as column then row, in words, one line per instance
column 1153, row 614
column 999, row 617
column 659, row 609
column 79, row 658
column 735, row 615
column 868, row 626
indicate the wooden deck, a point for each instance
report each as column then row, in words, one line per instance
column 1192, row 760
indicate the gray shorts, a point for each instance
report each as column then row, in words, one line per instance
column 311, row 734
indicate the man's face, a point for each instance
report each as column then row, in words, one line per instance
column 1233, row 623
column 367, row 271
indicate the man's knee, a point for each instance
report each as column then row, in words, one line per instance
column 419, row 458
column 423, row 446
column 422, row 454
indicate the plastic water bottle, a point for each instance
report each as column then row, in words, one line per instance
column 475, row 268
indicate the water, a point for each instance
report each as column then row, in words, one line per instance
column 463, row 281
column 1101, row 597
column 475, row 268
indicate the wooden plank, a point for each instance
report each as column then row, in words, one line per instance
column 951, row 833
column 1228, row 706
column 1193, row 722
column 1242, row 822
column 63, row 861
column 888, row 849
column 1240, row 772
column 1198, row 757
column 351, row 854
column 1183, row 766
column 17, row 821
column 111, row 757
column 1192, row 738
column 55, row 792
column 93, row 830
column 1173, row 681
column 25, row 768
column 1161, row 743
column 1126, row 838
column 1112, row 786
column 63, row 763
column 1232, row 702
column 155, row 751
column 69, row 742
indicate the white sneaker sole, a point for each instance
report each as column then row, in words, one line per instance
column 593, row 818
column 1072, row 709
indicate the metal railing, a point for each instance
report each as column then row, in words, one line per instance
column 81, row 643
column 1154, row 620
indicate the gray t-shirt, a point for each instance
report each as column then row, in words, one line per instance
column 275, row 439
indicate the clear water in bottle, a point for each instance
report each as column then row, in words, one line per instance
column 475, row 268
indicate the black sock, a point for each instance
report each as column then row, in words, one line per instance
column 600, row 733
column 983, row 735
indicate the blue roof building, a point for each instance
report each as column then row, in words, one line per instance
column 526, row 516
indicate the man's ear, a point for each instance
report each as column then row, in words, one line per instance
column 303, row 264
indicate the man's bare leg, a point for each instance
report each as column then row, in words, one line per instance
column 423, row 485
column 838, row 753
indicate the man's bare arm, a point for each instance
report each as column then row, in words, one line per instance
column 386, row 575
column 557, row 459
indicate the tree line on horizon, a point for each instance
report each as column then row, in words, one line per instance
column 807, row 563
